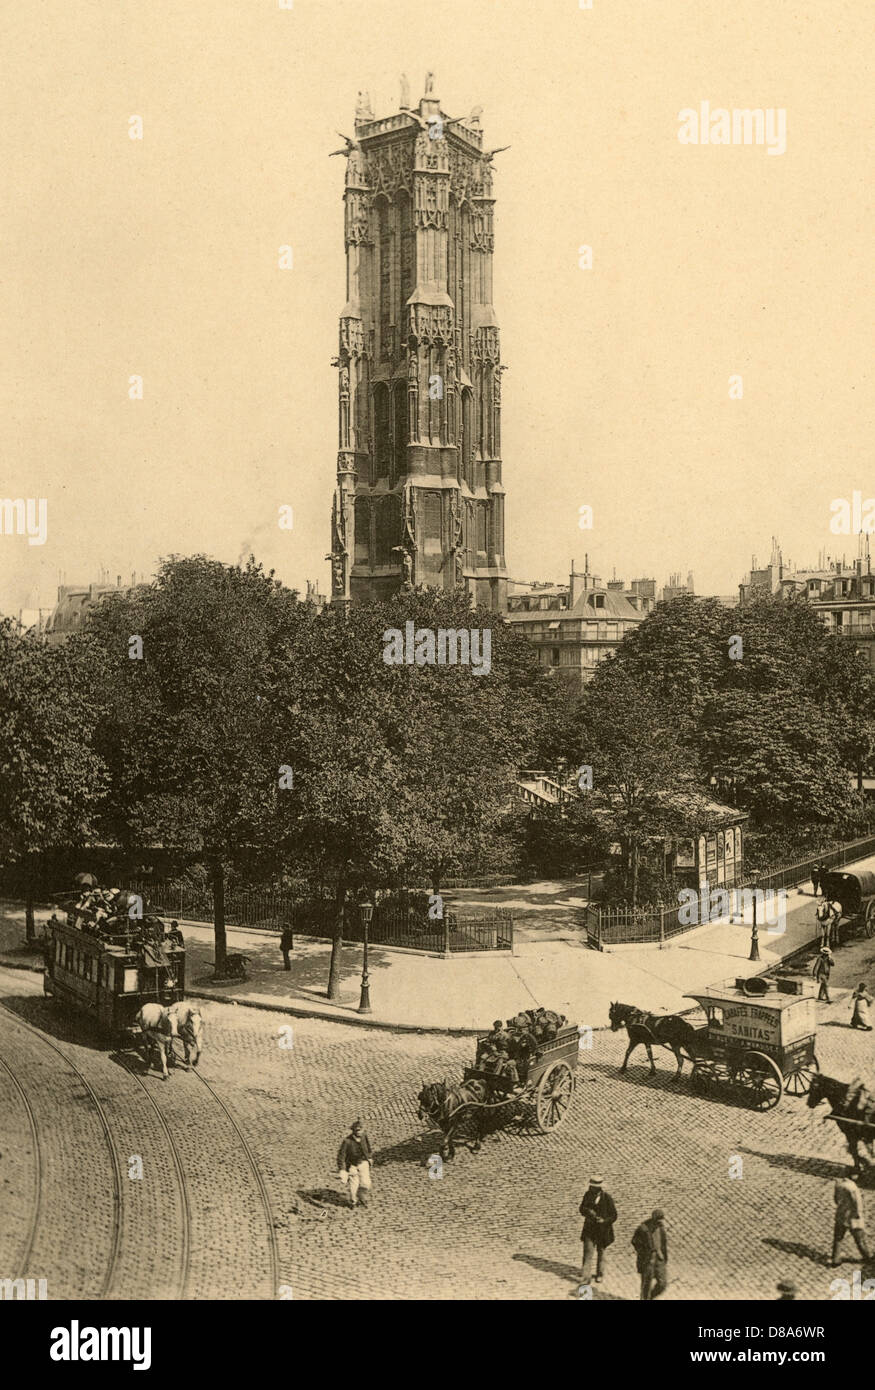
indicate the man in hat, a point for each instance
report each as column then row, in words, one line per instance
column 822, row 969
column 599, row 1214
column 787, row 1291
column 354, row 1164
column 848, row 1217
column 651, row 1248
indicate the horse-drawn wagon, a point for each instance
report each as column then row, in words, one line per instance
column 759, row 1036
column 854, row 891
column 535, row 1089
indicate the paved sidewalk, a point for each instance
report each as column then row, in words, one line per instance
column 464, row 994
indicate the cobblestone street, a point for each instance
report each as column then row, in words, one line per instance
column 499, row 1224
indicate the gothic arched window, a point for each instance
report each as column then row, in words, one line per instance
column 362, row 554
column 468, row 437
column 399, row 467
column 382, row 441
column 384, row 277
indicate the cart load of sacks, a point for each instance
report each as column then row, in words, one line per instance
column 510, row 1047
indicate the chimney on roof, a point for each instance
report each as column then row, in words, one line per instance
column 576, row 583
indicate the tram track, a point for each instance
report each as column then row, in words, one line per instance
column 229, row 1204
column 23, row 1264
column 222, row 1223
column 109, row 1277
column 185, row 1231
column 260, row 1183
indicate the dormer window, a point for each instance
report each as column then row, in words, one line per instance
column 598, row 600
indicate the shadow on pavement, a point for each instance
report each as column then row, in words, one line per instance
column 812, row 1167
column 265, row 972
column 42, row 1013
column 795, row 1247
column 568, row 1274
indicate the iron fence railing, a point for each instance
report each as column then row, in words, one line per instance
column 660, row 922
column 391, row 924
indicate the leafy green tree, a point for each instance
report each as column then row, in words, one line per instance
column 680, row 652
column 640, row 766
column 778, row 758
column 778, row 711
column 408, row 768
column 196, row 730
column 51, row 777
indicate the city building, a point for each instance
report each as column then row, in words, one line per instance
column 74, row 602
column 843, row 594
column 576, row 627
column 419, row 496
column 674, row 588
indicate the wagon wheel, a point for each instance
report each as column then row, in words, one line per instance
column 759, row 1074
column 869, row 919
column 553, row 1096
column 798, row 1081
column 703, row 1076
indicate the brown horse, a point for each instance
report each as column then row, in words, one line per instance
column 666, row 1030
column 449, row 1108
column 848, row 1117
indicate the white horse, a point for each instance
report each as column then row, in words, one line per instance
column 158, row 1029
column 188, row 1024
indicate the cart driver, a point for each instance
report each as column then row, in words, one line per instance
column 505, row 1065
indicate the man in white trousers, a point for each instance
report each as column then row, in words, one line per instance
column 354, row 1165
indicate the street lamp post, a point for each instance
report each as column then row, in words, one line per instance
column 754, row 935
column 366, row 911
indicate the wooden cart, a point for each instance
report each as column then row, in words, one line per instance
column 548, row 1084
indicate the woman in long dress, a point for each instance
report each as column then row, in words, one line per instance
column 861, row 1000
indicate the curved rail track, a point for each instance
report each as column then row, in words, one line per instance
column 261, row 1184
column 224, row 1204
column 185, row 1230
column 116, row 1227
column 22, row 1264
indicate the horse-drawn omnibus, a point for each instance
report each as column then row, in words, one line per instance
column 106, row 969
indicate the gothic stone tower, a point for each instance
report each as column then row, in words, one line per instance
column 419, row 497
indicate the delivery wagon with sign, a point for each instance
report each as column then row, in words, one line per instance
column 759, row 1037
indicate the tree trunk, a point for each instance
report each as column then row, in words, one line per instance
column 633, row 853
column 337, row 937
column 219, row 917
column 29, row 927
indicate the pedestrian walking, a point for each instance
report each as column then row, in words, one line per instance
column 823, row 916
column 862, row 1001
column 599, row 1214
column 354, row 1165
column 651, row 1248
column 816, row 870
column 821, row 970
column 848, row 1217
column 287, row 943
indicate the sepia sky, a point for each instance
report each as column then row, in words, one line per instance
column 160, row 258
